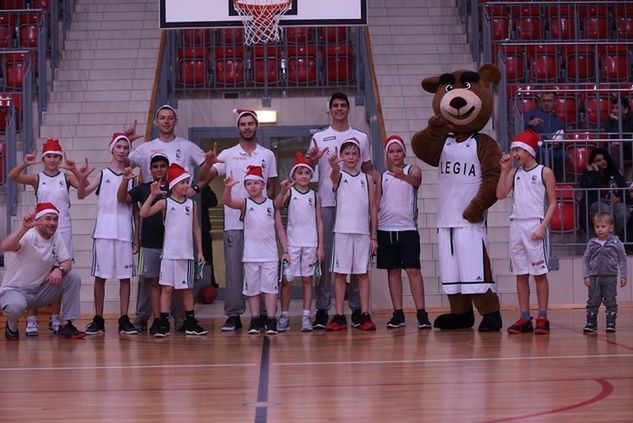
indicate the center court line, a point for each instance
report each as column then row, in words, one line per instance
column 165, row 366
column 454, row 360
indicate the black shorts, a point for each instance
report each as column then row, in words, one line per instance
column 398, row 250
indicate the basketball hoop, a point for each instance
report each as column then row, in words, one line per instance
column 261, row 19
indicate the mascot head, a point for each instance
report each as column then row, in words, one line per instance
column 463, row 97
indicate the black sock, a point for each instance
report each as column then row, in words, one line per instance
column 189, row 315
column 164, row 317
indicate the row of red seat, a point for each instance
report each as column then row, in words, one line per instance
column 19, row 30
column 559, row 21
column 23, row 4
column 227, row 66
column 204, row 37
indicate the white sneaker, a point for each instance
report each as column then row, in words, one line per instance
column 32, row 326
column 54, row 324
column 306, row 324
column 283, row 324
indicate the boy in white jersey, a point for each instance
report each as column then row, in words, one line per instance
column 112, row 255
column 354, row 231
column 262, row 226
column 51, row 186
column 305, row 237
column 182, row 229
column 533, row 184
column 398, row 237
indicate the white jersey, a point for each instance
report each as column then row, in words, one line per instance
column 28, row 267
column 332, row 139
column 529, row 194
column 54, row 189
column 178, row 241
column 399, row 203
column 236, row 160
column 179, row 150
column 114, row 218
column 260, row 239
column 302, row 227
column 459, row 181
column 352, row 204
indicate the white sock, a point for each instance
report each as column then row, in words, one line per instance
column 306, row 312
column 285, row 313
column 55, row 317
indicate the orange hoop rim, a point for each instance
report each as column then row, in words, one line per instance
column 253, row 8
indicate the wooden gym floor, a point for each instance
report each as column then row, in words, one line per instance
column 400, row 375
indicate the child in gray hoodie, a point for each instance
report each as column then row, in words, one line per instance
column 603, row 258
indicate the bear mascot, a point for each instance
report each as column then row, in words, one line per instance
column 468, row 165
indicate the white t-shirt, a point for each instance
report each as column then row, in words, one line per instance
column 178, row 241
column 236, row 160
column 302, row 228
column 528, row 201
column 332, row 139
column 352, row 204
column 181, row 151
column 32, row 263
column 260, row 238
column 54, row 189
column 114, row 218
column 399, row 203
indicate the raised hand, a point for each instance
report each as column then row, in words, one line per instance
column 334, row 159
column 315, row 153
column 128, row 174
column 398, row 172
column 505, row 162
column 68, row 163
column 130, row 132
column 229, row 182
column 29, row 221
column 211, row 156
column 85, row 170
column 286, row 184
column 31, row 159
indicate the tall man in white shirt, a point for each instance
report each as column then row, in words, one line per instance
column 235, row 161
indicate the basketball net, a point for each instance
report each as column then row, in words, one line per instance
column 261, row 19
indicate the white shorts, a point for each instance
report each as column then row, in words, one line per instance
column 527, row 256
column 261, row 277
column 302, row 260
column 350, row 255
column 464, row 262
column 178, row 273
column 112, row 259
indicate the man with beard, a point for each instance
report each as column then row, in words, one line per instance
column 235, row 161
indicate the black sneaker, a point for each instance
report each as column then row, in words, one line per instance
column 163, row 329
column 232, row 324
column 423, row 320
column 592, row 323
column 126, row 326
column 320, row 320
column 192, row 327
column 70, row 331
column 356, row 318
column 255, row 326
column 271, row 326
column 397, row 320
column 611, row 322
column 96, row 327
column 155, row 326
column 11, row 335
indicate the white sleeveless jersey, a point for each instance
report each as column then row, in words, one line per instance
column 260, row 238
column 302, row 228
column 54, row 189
column 399, row 203
column 114, row 218
column 178, row 241
column 459, row 181
column 352, row 204
column 529, row 194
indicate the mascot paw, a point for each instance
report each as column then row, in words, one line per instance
column 438, row 126
column 491, row 322
column 472, row 215
column 455, row 321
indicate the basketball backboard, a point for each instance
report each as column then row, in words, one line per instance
column 221, row 13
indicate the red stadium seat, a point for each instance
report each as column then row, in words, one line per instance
column 595, row 21
column 580, row 62
column 597, row 107
column 543, row 61
column 624, row 21
column 333, row 34
column 615, row 63
column 40, row 4
column 12, row 4
column 299, row 34
column 562, row 23
column 302, row 64
column 500, row 27
column 514, row 63
column 4, row 109
column 266, row 64
column 566, row 108
column 578, row 157
column 338, row 63
column 229, row 66
column 197, row 37
column 29, row 29
column 7, row 23
column 528, row 22
column 565, row 218
column 15, row 65
column 232, row 36
column 193, row 64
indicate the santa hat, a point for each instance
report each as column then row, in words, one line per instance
column 527, row 140
column 116, row 137
column 163, row 107
column 176, row 173
column 300, row 161
column 350, row 141
column 244, row 112
column 43, row 209
column 394, row 139
column 254, row 173
column 52, row 146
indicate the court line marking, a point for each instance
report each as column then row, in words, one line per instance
column 148, row 366
column 455, row 360
column 261, row 413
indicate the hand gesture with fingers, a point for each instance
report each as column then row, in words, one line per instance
column 505, row 162
column 286, row 184
column 398, row 172
column 128, row 174
column 315, row 153
column 211, row 157
column 86, row 169
column 31, row 159
column 29, row 221
column 68, row 164
column 130, row 132
column 229, row 182
column 155, row 189
column 334, row 159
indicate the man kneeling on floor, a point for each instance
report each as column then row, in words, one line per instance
column 39, row 272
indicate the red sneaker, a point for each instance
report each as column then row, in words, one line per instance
column 338, row 322
column 542, row 326
column 521, row 326
column 366, row 323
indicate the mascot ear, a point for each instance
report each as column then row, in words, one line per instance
column 431, row 83
column 490, row 73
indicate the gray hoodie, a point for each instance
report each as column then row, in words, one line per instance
column 605, row 260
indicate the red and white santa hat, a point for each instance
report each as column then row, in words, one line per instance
column 254, row 173
column 163, row 107
column 52, row 146
column 350, row 140
column 528, row 140
column 394, row 139
column 176, row 173
column 244, row 112
column 300, row 161
column 43, row 209
column 116, row 137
